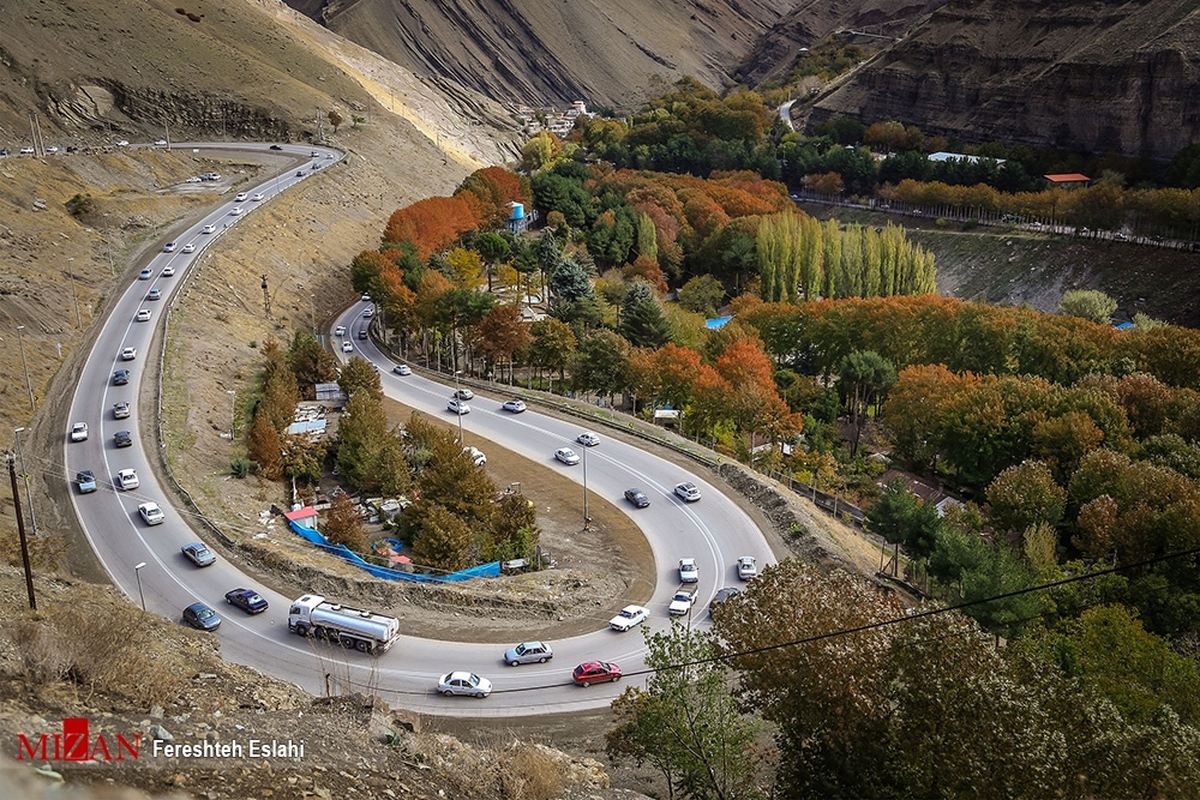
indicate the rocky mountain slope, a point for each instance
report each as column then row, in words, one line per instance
column 615, row 52
column 1096, row 76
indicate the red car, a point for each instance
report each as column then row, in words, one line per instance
column 590, row 672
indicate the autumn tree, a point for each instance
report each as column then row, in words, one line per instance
column 1025, row 495
column 311, row 363
column 513, row 530
column 1088, row 304
column 343, row 525
column 360, row 375
column 442, row 540
column 553, row 345
column 503, row 333
column 263, row 445
column 702, row 294
column 601, row 363
column 686, row 723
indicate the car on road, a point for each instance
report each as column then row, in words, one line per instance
column 747, row 568
column 154, row 294
column 169, row 247
column 241, row 197
column 402, row 369
column 299, row 173
column 688, row 492
column 247, row 600
column 201, row 617
column 347, row 347
column 86, row 481
column 123, row 143
column 151, row 513
column 143, row 315
column 464, row 683
column 368, row 312
column 366, row 298
column 129, row 354
column 127, row 479
column 628, row 617
column 236, row 211
column 120, row 377
column 637, row 497
column 51, row 150
column 276, row 147
column 688, row 571
column 193, row 179
column 464, row 394
column 211, row 176
column 160, row 143
column 145, row 274
column 27, row 151
column 190, row 247
column 588, row 439
column 120, row 410
column 590, row 672
column 198, row 553
column 721, row 596
column 362, row 334
column 340, row 330
column 528, row 653
column 168, row 271
column 258, row 197
column 567, row 456
column 79, row 432
column 209, row 229
column 123, row 439
column 458, row 406
column 515, row 406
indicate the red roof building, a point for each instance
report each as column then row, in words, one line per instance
column 1068, row 180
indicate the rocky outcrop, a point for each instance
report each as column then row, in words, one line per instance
column 1097, row 76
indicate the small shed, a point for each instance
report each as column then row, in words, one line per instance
column 1068, row 180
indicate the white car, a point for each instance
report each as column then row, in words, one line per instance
column 241, row 197
column 79, row 432
column 515, row 406
column 746, row 568
column 347, row 347
column 123, row 143
column 588, row 439
column 143, row 315
column 51, row 150
column 27, row 151
column 402, row 369
column 161, row 143
column 687, row 492
column 458, row 406
column 628, row 618
column 120, row 410
column 190, row 247
column 151, row 513
column 127, row 479
column 154, row 294
column 168, row 271
column 258, row 197
column 476, row 455
column 464, row 394
column 368, row 312
column 193, row 179
column 236, row 211
column 209, row 229
column 567, row 456
column 129, row 354
column 340, row 330
column 169, row 247
column 688, row 571
column 464, row 683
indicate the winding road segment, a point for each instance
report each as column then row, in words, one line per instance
column 146, row 562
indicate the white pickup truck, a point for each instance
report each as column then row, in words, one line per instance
column 681, row 603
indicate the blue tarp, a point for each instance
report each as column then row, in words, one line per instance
column 713, row 324
column 314, row 536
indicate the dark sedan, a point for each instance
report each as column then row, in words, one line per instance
column 202, row 617
column 637, row 497
column 247, row 600
column 123, row 439
column 121, row 377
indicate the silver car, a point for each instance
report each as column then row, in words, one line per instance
column 464, row 683
column 528, row 653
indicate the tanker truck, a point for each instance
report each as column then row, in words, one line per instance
column 366, row 631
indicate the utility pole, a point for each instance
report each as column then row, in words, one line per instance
column 266, row 297
column 25, row 367
column 25, row 477
column 12, row 475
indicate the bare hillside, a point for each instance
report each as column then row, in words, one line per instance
column 616, row 52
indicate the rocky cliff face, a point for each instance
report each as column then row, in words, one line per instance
column 1096, row 76
column 615, row 52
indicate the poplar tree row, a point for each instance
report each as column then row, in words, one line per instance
column 800, row 257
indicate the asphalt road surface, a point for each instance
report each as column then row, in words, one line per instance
column 713, row 530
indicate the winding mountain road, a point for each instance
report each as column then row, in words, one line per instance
column 714, row 531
